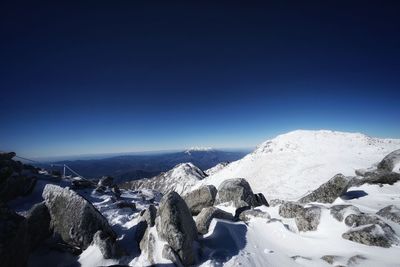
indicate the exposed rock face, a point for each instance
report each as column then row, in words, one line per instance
column 106, row 181
column 339, row 212
column 378, row 177
column 371, row 235
column 107, row 245
column 388, row 163
column 236, row 191
column 247, row 215
column 177, row 227
column 15, row 186
column 200, row 198
column 290, row 209
column 205, row 217
column 369, row 230
column 82, row 184
column 38, row 222
column 260, row 200
column 126, row 204
column 308, row 219
column 169, row 254
column 149, row 215
column 14, row 238
column 148, row 244
column 391, row 213
column 329, row 191
column 73, row 217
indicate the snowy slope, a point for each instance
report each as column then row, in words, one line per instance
column 216, row 168
column 180, row 179
column 292, row 164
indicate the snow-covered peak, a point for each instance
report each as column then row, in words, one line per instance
column 292, row 164
column 198, row 149
column 186, row 171
column 216, row 168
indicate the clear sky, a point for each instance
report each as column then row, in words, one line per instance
column 115, row 76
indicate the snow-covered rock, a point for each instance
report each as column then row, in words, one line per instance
column 236, row 191
column 200, row 198
column 205, row 217
column 180, row 179
column 216, row 168
column 390, row 162
column 391, row 213
column 285, row 167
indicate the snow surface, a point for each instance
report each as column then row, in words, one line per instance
column 290, row 165
column 216, row 168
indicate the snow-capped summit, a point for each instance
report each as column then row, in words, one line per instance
column 198, row 149
column 289, row 165
column 179, row 179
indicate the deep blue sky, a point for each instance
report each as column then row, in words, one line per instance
column 112, row 76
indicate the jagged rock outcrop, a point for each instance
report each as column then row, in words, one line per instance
column 169, row 254
column 107, row 245
column 369, row 230
column 15, row 186
column 378, row 177
column 329, row 191
column 14, row 238
column 38, row 223
column 237, row 192
column 260, row 200
column 73, row 217
column 205, row 217
column 339, row 212
column 149, row 215
column 389, row 162
column 247, row 215
column 106, row 181
column 148, row 245
column 200, row 198
column 391, row 212
column 289, row 209
column 308, row 219
column 176, row 226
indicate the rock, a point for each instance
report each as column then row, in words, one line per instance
column 38, row 222
column 200, row 198
column 147, row 245
column 7, row 155
column 140, row 230
column 14, row 238
column 117, row 192
column 329, row 191
column 339, row 212
column 308, row 219
column 275, row 202
column 16, row 186
column 82, row 184
column 149, row 215
column 203, row 220
column 125, row 204
column 260, row 200
column 235, row 191
column 388, row 163
column 290, row 209
column 73, row 217
column 247, row 215
column 370, row 235
column 169, row 254
column 177, row 227
column 107, row 245
column 391, row 213
column 378, row 177
column 328, row 258
column 106, row 181
column 100, row 189
column 355, row 260
column 242, row 207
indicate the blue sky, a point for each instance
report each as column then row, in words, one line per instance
column 104, row 77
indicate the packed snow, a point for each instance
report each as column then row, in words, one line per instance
column 291, row 165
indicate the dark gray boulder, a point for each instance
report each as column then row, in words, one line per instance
column 149, row 215
column 14, row 238
column 16, row 186
column 339, row 212
column 200, row 198
column 106, row 181
column 107, row 245
column 308, row 219
column 260, row 200
column 169, row 254
column 370, row 235
column 391, row 212
column 176, row 226
column 205, row 217
column 73, row 217
column 329, row 191
column 289, row 209
column 388, row 163
column 378, row 177
column 247, row 215
column 236, row 191
column 38, row 223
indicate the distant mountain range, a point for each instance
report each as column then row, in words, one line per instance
column 132, row 167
